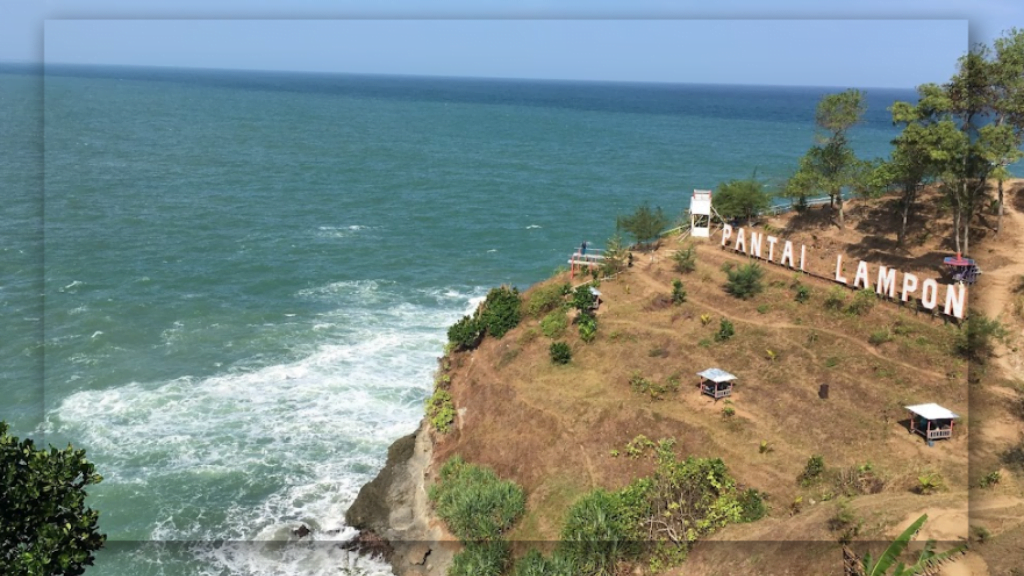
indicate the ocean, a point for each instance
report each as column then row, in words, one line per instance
column 231, row 288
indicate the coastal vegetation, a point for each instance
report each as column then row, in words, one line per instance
column 644, row 224
column 45, row 526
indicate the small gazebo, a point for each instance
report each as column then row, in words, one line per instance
column 716, row 383
column 931, row 421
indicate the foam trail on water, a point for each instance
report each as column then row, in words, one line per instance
column 252, row 453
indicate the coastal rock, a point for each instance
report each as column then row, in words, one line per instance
column 302, row 531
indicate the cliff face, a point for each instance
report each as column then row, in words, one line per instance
column 394, row 507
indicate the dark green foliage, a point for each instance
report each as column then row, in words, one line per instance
column 927, row 561
column 560, row 353
column 501, row 311
column 466, row 333
column 741, row 199
column 474, row 503
column 975, row 339
column 678, row 292
column 745, row 281
column 1014, row 456
column 879, row 337
column 535, row 564
column 583, row 299
column 643, row 386
column 587, row 326
column 803, row 293
column 554, row 324
column 645, row 225
column 752, row 506
column 489, row 558
column 596, row 533
column 725, row 331
column 863, row 301
column 545, row 299
column 685, row 259
column 813, row 470
column 441, row 410
column 45, row 527
column 835, row 298
column 615, row 256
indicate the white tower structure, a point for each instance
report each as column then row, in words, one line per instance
column 700, row 214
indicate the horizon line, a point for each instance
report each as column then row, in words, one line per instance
column 42, row 66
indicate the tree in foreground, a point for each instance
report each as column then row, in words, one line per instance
column 645, row 225
column 45, row 527
column 928, row 562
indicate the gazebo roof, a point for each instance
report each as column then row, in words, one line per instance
column 716, row 375
column 931, row 411
column 595, row 291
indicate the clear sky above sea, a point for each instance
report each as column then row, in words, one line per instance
column 794, row 42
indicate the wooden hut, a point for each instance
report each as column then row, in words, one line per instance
column 716, row 383
column 931, row 421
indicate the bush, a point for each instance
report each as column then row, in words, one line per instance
column 643, row 386
column 863, row 302
column 466, row 333
column 474, row 503
column 752, row 506
column 879, row 337
column 835, row 298
column 481, row 559
column 803, row 294
column 745, row 281
column 596, row 533
column 501, row 311
column 1014, row 456
column 533, row 563
column 587, row 326
column 545, row 299
column 45, row 526
column 678, row 292
column 554, row 324
column 583, row 299
column 725, row 331
column 441, row 410
column 763, row 309
column 975, row 339
column 560, row 353
column 990, row 480
column 929, row 483
column 813, row 470
column 685, row 259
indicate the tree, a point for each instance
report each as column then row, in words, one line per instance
column 1008, row 80
column 644, row 224
column 928, row 562
column 831, row 165
column 741, row 198
column 45, row 527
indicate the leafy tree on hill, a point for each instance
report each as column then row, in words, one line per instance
column 45, row 527
column 741, row 199
column 831, row 165
column 644, row 224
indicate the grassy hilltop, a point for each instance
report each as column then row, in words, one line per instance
column 562, row 431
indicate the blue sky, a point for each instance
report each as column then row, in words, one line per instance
column 869, row 43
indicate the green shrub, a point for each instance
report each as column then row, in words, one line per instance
column 1014, row 456
column 863, row 301
column 441, row 410
column 474, row 503
column 763, row 309
column 481, row 559
column 990, row 479
column 643, row 386
column 533, row 563
column 678, row 292
column 501, row 311
column 745, row 281
column 587, row 326
column 929, row 483
column 583, row 299
column 813, row 470
column 645, row 225
column 466, row 333
column 974, row 341
column 685, row 259
column 803, row 294
column 835, row 298
column 728, row 412
column 752, row 506
column 879, row 337
column 560, row 353
column 554, row 324
column 596, row 534
column 725, row 331
column 544, row 300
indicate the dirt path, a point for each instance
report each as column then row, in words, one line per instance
column 657, row 286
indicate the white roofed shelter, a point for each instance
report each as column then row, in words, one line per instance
column 716, row 383
column 931, row 421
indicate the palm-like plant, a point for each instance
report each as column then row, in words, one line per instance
column 927, row 563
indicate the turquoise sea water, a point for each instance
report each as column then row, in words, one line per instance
column 234, row 288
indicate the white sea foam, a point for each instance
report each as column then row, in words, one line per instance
column 295, row 440
column 341, row 231
column 533, row 226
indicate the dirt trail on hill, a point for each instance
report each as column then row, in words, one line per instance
column 658, row 286
column 997, row 285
